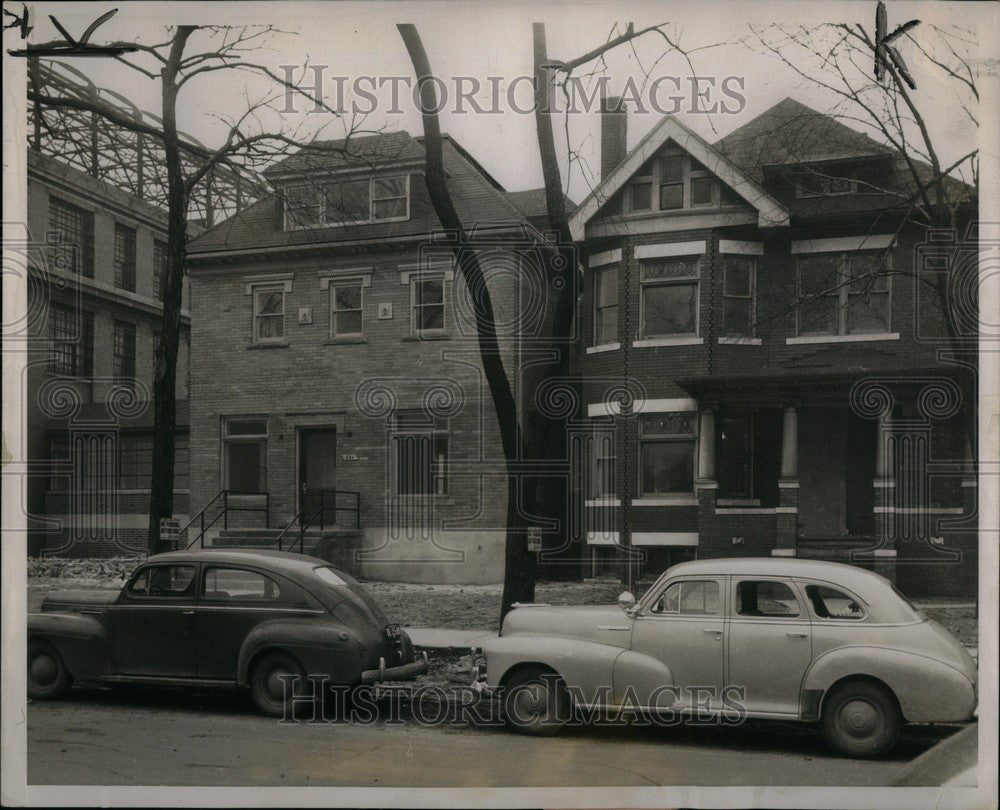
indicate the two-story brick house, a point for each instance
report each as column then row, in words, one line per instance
column 336, row 351
column 762, row 300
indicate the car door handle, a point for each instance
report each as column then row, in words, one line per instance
column 796, row 635
column 712, row 632
column 187, row 613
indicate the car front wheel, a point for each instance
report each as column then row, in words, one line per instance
column 535, row 701
column 861, row 719
column 276, row 678
column 48, row 677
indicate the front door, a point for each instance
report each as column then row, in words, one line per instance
column 770, row 644
column 317, row 470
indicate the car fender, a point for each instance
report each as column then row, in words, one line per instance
column 586, row 667
column 928, row 690
column 321, row 647
column 82, row 641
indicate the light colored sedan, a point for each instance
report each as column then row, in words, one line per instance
column 782, row 639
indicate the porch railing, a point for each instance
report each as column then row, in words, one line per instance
column 328, row 499
column 221, row 499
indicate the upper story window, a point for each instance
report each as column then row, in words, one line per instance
column 74, row 250
column 427, row 303
column 843, row 293
column 348, row 202
column 346, row 308
column 681, row 182
column 160, row 263
column 739, row 294
column 72, row 341
column 827, row 182
column 669, row 296
column 124, row 257
column 124, row 352
column 641, row 189
column 605, row 305
column 268, row 313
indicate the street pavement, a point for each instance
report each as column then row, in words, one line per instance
column 145, row 736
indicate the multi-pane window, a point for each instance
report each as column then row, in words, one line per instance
column 124, row 257
column 666, row 453
column 348, row 202
column 602, row 482
column 135, row 461
column 681, row 182
column 739, row 295
column 605, row 305
column 160, row 263
column 641, row 189
column 843, row 294
column 245, row 454
column 420, row 445
column 346, row 309
column 734, row 448
column 669, row 297
column 72, row 341
column 74, row 226
column 268, row 313
column 671, row 182
column 427, row 303
column 124, row 352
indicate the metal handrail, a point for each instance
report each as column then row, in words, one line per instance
column 224, row 513
column 321, row 494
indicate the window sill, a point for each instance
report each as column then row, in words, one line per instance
column 603, row 502
column 604, row 347
column 344, row 341
column 798, row 341
column 428, row 336
column 274, row 344
column 739, row 341
column 667, row 341
column 679, row 500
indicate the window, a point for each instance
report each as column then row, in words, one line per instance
column 135, row 461
column 603, row 476
column 669, row 297
column 75, row 229
column 696, row 598
column 124, row 352
column 681, row 182
column 605, row 305
column 345, row 309
column 641, row 189
column 666, row 453
column 843, row 294
column 124, row 257
column 739, row 295
column 245, row 454
column 823, row 183
column 830, row 603
column 73, row 342
column 427, row 300
column 237, row 584
column 421, row 448
column 160, row 263
column 164, row 580
column 348, row 202
column 671, row 182
column 268, row 314
column 766, row 599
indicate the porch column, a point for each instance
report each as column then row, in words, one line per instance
column 885, row 499
column 786, row 523
column 710, row 542
column 706, row 447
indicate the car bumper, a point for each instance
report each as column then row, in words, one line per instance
column 404, row 672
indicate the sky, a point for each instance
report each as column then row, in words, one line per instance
column 480, row 40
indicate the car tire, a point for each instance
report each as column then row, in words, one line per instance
column 861, row 719
column 48, row 676
column 267, row 683
column 535, row 701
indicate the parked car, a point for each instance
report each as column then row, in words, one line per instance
column 219, row 618
column 804, row 640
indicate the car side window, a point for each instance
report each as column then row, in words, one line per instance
column 831, row 603
column 238, row 584
column 766, row 598
column 695, row 598
column 175, row 581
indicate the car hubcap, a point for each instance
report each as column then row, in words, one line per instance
column 531, row 700
column 43, row 669
column 276, row 680
column 860, row 718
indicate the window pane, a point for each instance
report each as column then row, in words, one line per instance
column 737, row 316
column 160, row 261
column 246, row 428
column 430, row 291
column 607, row 287
column 829, row 603
column 388, row 187
column 669, row 309
column 669, row 601
column 668, row 424
column 232, row 583
column 430, row 317
column 347, row 297
column 671, row 196
column 124, row 257
column 270, row 303
column 766, row 599
column 243, row 463
column 672, row 169
column 868, row 313
column 669, row 268
column 642, row 196
column 701, row 190
column 819, row 282
column 667, row 467
column 302, row 205
column 172, row 580
column 699, row 598
column 348, row 202
column 347, row 323
column 390, row 209
column 607, row 325
column 738, row 273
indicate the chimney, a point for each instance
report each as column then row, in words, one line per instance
column 614, row 129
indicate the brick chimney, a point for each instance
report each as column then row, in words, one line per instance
column 614, row 130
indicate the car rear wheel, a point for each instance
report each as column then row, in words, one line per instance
column 861, row 719
column 535, row 701
column 48, row 677
column 276, row 678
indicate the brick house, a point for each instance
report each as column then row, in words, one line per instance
column 337, row 385
column 96, row 256
column 789, row 398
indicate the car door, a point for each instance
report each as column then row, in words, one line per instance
column 233, row 601
column 152, row 623
column 769, row 643
column 682, row 628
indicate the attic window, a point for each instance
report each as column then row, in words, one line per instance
column 349, row 202
column 681, row 181
column 824, row 183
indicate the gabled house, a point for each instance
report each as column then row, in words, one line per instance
column 762, row 301
column 337, row 387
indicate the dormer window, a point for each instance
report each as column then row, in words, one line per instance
column 681, row 182
column 827, row 182
column 348, row 202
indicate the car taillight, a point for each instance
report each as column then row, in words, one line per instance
column 392, row 632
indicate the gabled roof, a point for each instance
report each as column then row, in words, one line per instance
column 358, row 152
column 532, row 202
column 770, row 212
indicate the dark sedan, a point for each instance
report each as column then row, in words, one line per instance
column 265, row 620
